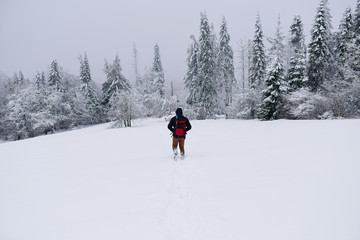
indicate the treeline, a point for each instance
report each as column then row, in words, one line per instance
column 56, row 100
column 289, row 80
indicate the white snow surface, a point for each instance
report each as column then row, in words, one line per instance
column 240, row 180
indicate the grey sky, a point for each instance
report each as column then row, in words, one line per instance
column 34, row 32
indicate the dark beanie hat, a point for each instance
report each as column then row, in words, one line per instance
column 179, row 112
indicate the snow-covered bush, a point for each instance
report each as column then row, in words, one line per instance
column 304, row 104
column 245, row 105
column 344, row 98
column 156, row 106
column 125, row 107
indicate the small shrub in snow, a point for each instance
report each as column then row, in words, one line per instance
column 304, row 104
column 245, row 105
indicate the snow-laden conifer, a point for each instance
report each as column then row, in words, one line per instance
column 258, row 60
column 225, row 63
column 157, row 73
column 207, row 71
column 55, row 79
column 138, row 79
column 40, row 81
column 88, row 93
column 191, row 78
column 115, row 81
column 320, row 49
column 356, row 19
column 275, row 81
column 345, row 47
column 296, row 72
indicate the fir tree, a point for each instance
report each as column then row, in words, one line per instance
column 191, row 78
column 296, row 73
column 138, row 80
column 19, row 80
column 157, row 73
column 258, row 62
column 275, row 82
column 356, row 27
column 40, row 81
column 87, row 91
column 226, row 63
column 207, row 71
column 55, row 79
column 345, row 41
column 115, row 81
column 320, row 50
column 272, row 94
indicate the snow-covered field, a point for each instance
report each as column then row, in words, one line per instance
column 241, row 180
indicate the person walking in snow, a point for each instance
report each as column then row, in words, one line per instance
column 179, row 126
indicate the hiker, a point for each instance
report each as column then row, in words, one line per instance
column 179, row 125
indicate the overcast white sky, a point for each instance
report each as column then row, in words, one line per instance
column 34, row 32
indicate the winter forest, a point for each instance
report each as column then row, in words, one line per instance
column 288, row 79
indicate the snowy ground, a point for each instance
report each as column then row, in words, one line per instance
column 241, row 180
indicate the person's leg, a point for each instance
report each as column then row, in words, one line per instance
column 175, row 143
column 181, row 145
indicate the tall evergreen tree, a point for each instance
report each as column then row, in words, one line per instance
column 191, row 78
column 40, row 81
column 320, row 49
column 225, row 62
column 296, row 74
column 157, row 73
column 207, row 71
column 87, row 91
column 115, row 81
column 138, row 80
column 344, row 48
column 258, row 61
column 275, row 81
column 356, row 19
column 55, row 79
column 354, row 48
column 19, row 79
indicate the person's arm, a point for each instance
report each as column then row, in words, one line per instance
column 188, row 125
column 171, row 125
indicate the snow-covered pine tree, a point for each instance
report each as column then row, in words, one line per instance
column 297, row 69
column 345, row 40
column 55, row 79
column 115, row 81
column 354, row 47
column 320, row 49
column 191, row 78
column 275, row 81
column 277, row 47
column 225, row 63
column 40, row 81
column 89, row 95
column 207, row 71
column 157, row 73
column 258, row 61
column 356, row 20
column 19, row 80
column 138, row 80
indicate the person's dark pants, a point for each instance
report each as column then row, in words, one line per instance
column 180, row 142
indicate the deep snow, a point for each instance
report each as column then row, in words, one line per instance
column 241, row 180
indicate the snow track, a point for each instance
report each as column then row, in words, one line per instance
column 176, row 214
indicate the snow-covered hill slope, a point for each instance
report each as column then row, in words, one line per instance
column 241, row 180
